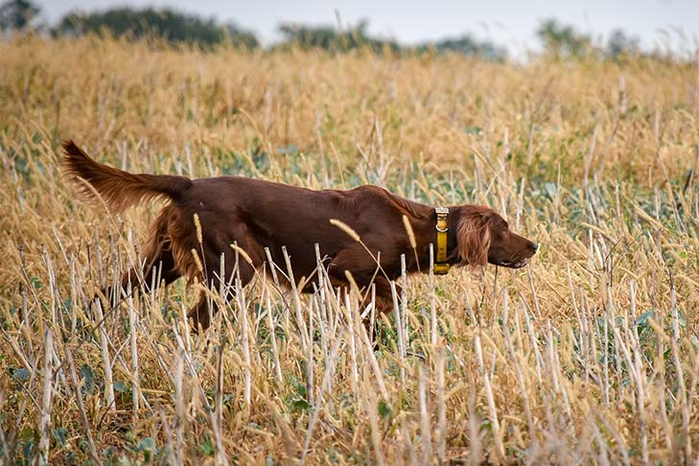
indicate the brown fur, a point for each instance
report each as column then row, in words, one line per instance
column 256, row 214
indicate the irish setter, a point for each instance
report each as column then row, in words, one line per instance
column 205, row 217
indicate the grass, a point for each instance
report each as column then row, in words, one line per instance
column 588, row 355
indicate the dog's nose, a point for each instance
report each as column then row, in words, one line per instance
column 535, row 247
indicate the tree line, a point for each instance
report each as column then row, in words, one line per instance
column 175, row 26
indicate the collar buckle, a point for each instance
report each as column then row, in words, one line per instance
column 442, row 213
column 441, row 268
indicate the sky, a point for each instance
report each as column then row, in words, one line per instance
column 510, row 23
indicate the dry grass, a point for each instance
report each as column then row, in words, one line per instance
column 589, row 355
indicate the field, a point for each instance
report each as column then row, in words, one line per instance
column 588, row 355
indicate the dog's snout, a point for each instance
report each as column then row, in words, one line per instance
column 535, row 247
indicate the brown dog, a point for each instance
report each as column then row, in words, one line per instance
column 257, row 214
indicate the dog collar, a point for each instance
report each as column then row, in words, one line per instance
column 441, row 267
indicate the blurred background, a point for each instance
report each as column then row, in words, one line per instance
column 496, row 30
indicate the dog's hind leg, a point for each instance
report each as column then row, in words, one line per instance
column 237, row 273
column 158, row 267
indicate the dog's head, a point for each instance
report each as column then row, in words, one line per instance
column 484, row 237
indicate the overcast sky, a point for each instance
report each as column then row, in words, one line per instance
column 508, row 22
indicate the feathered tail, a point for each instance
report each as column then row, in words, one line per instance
column 118, row 188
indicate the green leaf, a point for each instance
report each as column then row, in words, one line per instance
column 695, row 341
column 89, row 377
column 20, row 374
column 300, row 404
column 642, row 321
column 384, row 409
column 681, row 319
column 147, row 446
column 120, row 387
column 60, row 435
column 36, row 283
column 472, row 130
column 207, row 447
column 28, row 449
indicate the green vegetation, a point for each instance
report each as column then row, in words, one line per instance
column 563, row 41
column 17, row 15
column 168, row 24
column 329, row 38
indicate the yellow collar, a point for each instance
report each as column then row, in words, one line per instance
column 441, row 267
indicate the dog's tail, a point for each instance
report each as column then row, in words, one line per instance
column 119, row 189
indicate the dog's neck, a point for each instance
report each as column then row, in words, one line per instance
column 426, row 234
column 452, row 241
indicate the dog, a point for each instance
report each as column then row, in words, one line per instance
column 362, row 231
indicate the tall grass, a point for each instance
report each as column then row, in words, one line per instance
column 588, row 355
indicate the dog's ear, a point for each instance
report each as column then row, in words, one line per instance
column 473, row 238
